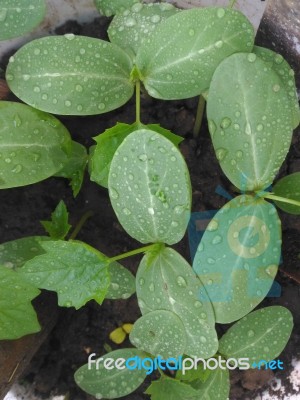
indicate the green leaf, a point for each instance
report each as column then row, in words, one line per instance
column 76, row 271
column 261, row 335
column 171, row 389
column 194, row 374
column 122, row 282
column 286, row 75
column 215, row 387
column 15, row 253
column 33, row 145
column 180, row 57
column 160, row 333
column 112, row 383
column 250, row 120
column 17, row 316
column 74, row 167
column 289, row 188
column 109, row 8
column 58, row 227
column 17, row 17
column 71, row 75
column 238, row 256
column 169, row 283
column 175, row 139
column 132, row 27
column 149, row 188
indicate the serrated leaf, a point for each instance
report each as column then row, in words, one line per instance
column 76, row 271
column 74, row 167
column 17, row 316
column 33, row 145
column 112, row 383
column 180, row 57
column 217, row 385
column 169, row 283
column 109, row 8
column 261, row 335
column 238, row 256
column 132, row 27
column 58, row 227
column 149, row 188
column 195, row 374
column 17, row 17
column 171, row 389
column 122, row 282
column 250, row 120
column 289, row 188
column 71, row 75
column 160, row 333
column 287, row 76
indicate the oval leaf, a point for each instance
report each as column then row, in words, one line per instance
column 262, row 335
column 109, row 8
column 112, row 383
column 289, row 188
column 238, row 256
column 149, row 188
column 180, row 57
column 166, row 281
column 122, row 282
column 33, row 145
column 71, row 75
column 250, row 120
column 18, row 17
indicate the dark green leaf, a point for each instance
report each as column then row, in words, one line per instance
column 58, row 227
column 109, row 7
column 289, row 188
column 122, row 282
column 171, row 389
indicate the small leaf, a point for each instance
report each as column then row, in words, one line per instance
column 17, row 17
column 261, row 335
column 127, row 327
column 17, row 316
column 215, row 387
column 33, row 145
column 118, row 335
column 149, row 188
column 58, row 227
column 250, row 120
column 112, row 383
column 194, row 374
column 160, row 333
column 122, row 282
column 289, row 188
column 169, row 283
column 109, row 8
column 180, row 57
column 171, row 389
column 74, row 167
column 71, row 75
column 76, row 271
column 238, row 256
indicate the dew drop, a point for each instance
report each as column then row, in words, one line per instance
column 191, row 32
column 17, row 121
column 169, row 77
column 130, row 22
column 181, row 281
column 278, row 59
column 36, row 89
column 174, row 224
column 101, row 106
column 197, row 304
column 18, row 168
column 211, row 260
column 69, row 36
column 260, row 127
column 220, row 12
column 143, row 157
column 221, row 153
column 276, row 88
column 78, row 88
column 151, row 287
column 217, row 239
column 155, row 19
column 212, row 127
column 113, row 193
column 151, row 211
column 141, row 281
column 225, row 123
column 251, row 333
column 251, row 57
column 203, row 339
column 219, row 44
column 248, row 129
column 126, row 211
column 213, row 225
column 68, row 103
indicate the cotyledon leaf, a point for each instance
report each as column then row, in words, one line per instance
column 160, row 333
column 180, row 57
column 288, row 187
column 238, row 256
column 33, row 145
column 114, row 382
column 250, row 120
column 71, row 75
column 216, row 387
column 130, row 28
column 149, row 188
column 122, row 282
column 109, row 7
column 261, row 335
column 18, row 17
column 169, row 283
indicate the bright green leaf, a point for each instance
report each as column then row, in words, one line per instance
column 122, row 282
column 112, row 383
column 250, row 120
column 58, row 227
column 261, row 335
column 33, row 145
column 194, row 374
column 215, row 387
column 71, row 75
column 109, row 7
column 175, row 139
column 17, row 17
column 171, row 389
column 180, row 57
column 178, row 290
column 76, row 271
column 238, row 256
column 289, row 188
column 149, row 188
column 17, row 316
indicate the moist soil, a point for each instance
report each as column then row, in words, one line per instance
column 81, row 332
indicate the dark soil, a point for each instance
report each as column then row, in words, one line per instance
column 80, row 332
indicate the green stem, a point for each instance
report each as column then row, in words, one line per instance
column 80, row 224
column 138, row 101
column 199, row 116
column 232, row 3
column 272, row 196
column 134, row 252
